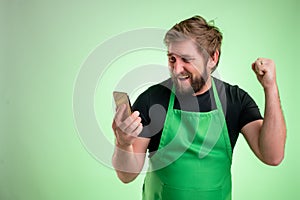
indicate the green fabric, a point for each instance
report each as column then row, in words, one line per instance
column 194, row 156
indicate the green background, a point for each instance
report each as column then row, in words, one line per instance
column 45, row 43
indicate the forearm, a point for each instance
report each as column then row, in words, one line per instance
column 273, row 132
column 126, row 163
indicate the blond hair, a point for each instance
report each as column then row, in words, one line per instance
column 207, row 37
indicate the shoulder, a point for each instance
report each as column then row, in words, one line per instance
column 161, row 87
column 233, row 93
column 154, row 94
column 157, row 90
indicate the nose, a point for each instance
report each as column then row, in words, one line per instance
column 178, row 66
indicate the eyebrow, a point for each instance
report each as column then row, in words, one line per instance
column 182, row 56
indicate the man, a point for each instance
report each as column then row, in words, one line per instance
column 190, row 154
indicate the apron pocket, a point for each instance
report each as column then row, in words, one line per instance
column 172, row 193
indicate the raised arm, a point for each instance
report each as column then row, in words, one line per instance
column 267, row 137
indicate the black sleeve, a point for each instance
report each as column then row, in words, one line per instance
column 142, row 105
column 249, row 110
column 151, row 115
column 152, row 105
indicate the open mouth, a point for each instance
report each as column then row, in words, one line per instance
column 183, row 77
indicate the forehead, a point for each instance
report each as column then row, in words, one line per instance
column 183, row 48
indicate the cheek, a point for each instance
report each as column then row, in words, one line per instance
column 171, row 67
column 193, row 70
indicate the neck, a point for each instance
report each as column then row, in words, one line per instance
column 205, row 87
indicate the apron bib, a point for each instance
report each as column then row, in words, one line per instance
column 193, row 160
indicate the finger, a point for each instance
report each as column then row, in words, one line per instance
column 119, row 114
column 133, row 125
column 121, row 108
column 127, row 122
column 259, row 67
column 253, row 67
column 258, row 62
column 260, row 71
column 138, row 130
column 124, row 138
column 114, row 127
column 130, row 123
column 263, row 61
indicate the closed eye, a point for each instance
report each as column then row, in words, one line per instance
column 186, row 60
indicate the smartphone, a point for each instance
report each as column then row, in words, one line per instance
column 122, row 98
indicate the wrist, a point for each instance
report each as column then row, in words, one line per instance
column 271, row 88
column 123, row 146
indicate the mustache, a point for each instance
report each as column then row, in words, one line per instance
column 182, row 74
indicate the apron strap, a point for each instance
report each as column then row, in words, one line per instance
column 222, row 119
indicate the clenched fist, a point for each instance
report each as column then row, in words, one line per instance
column 264, row 69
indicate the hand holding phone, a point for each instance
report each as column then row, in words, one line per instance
column 126, row 129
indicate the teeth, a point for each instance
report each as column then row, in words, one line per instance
column 183, row 77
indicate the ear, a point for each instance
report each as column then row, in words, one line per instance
column 213, row 60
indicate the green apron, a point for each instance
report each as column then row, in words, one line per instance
column 194, row 157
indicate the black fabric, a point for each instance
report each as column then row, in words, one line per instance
column 238, row 107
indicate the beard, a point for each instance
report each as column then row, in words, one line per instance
column 195, row 85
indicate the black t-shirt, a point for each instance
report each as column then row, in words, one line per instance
column 238, row 107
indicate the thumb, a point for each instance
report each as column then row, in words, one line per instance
column 253, row 67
